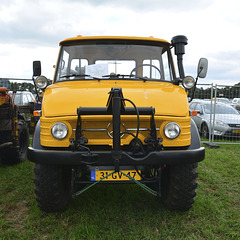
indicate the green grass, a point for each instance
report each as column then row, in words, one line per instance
column 126, row 211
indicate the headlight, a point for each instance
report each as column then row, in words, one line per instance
column 59, row 130
column 41, row 82
column 188, row 82
column 172, row 130
column 220, row 123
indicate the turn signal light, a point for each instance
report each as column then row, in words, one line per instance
column 194, row 113
column 37, row 113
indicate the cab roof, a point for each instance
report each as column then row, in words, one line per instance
column 81, row 38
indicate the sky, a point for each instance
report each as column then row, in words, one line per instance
column 32, row 29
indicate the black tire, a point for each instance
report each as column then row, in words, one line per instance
column 13, row 155
column 205, row 131
column 52, row 187
column 178, row 186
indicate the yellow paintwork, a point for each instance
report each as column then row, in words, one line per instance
column 62, row 99
column 101, row 138
column 80, row 38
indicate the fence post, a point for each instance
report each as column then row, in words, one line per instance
column 214, row 112
column 210, row 126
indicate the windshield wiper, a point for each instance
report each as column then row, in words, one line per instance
column 142, row 78
column 79, row 75
column 116, row 75
column 124, row 75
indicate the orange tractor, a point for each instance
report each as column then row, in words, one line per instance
column 14, row 134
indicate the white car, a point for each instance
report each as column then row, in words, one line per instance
column 227, row 119
column 236, row 103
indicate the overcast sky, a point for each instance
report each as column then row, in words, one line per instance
column 32, row 29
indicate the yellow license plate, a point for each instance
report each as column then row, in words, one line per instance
column 117, row 176
column 236, row 131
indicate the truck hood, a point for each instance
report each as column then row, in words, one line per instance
column 63, row 98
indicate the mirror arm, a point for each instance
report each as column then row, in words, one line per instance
column 195, row 84
column 38, row 99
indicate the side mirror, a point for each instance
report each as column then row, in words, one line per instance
column 200, row 112
column 36, row 68
column 202, row 68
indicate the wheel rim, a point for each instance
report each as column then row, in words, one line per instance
column 205, row 131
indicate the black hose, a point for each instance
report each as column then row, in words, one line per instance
column 138, row 118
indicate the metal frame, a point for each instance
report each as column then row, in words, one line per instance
column 214, row 92
column 116, row 107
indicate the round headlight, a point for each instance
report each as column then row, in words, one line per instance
column 172, row 130
column 41, row 82
column 188, row 82
column 59, row 130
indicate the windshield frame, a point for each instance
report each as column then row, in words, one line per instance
column 164, row 45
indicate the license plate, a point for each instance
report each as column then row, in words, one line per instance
column 117, row 176
column 236, row 131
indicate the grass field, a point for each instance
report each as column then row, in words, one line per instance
column 126, row 211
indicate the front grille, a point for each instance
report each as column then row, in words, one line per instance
column 234, row 125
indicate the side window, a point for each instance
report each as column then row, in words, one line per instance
column 63, row 68
column 30, row 98
column 17, row 99
column 24, row 99
column 192, row 106
column 198, row 107
column 166, row 67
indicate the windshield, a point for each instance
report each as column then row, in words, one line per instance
column 104, row 61
column 220, row 109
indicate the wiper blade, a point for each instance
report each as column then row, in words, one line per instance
column 124, row 75
column 79, row 75
column 142, row 78
column 116, row 75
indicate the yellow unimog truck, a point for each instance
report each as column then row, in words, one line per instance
column 116, row 112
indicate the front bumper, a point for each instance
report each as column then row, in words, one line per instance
column 106, row 158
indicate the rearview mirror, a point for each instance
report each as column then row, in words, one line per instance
column 202, row 68
column 200, row 112
column 36, row 68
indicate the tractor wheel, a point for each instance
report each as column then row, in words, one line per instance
column 13, row 155
column 178, row 186
column 52, row 187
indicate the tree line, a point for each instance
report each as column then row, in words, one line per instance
column 17, row 86
column 203, row 92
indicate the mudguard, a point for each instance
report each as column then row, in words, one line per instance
column 195, row 138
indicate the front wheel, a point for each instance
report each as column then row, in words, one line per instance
column 178, row 186
column 205, row 131
column 52, row 187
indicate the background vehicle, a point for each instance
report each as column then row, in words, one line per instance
column 26, row 105
column 225, row 123
column 14, row 136
column 116, row 113
column 223, row 100
column 236, row 103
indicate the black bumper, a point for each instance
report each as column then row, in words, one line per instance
column 106, row 158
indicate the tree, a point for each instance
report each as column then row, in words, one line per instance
column 25, row 86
